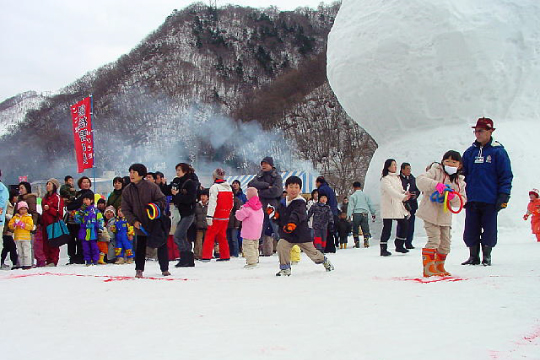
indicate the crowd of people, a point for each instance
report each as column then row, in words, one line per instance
column 134, row 223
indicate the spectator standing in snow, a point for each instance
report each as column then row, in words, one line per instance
column 4, row 199
column 392, row 208
column 359, row 206
column 488, row 175
column 323, row 222
column 7, row 235
column 115, row 197
column 75, row 247
column 324, row 189
column 201, row 209
column 22, row 224
column 270, row 186
column 52, row 206
column 409, row 184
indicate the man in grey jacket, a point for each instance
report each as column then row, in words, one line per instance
column 270, row 186
column 359, row 205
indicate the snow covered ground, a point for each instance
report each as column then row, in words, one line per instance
column 368, row 308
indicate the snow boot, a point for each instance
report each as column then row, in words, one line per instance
column 474, row 258
column 384, row 250
column 366, row 242
column 129, row 260
column 486, row 252
column 357, row 242
column 439, row 264
column 187, row 259
column 101, row 259
column 344, row 246
column 284, row 272
column 400, row 246
column 341, row 246
column 119, row 261
column 327, row 264
column 166, row 273
column 139, row 274
column 428, row 262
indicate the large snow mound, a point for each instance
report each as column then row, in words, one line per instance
column 417, row 74
column 402, row 65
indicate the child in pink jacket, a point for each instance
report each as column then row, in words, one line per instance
column 251, row 215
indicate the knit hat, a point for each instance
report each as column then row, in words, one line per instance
column 22, row 204
column 110, row 208
column 219, row 173
column 251, row 192
column 269, row 160
column 55, row 183
column 535, row 192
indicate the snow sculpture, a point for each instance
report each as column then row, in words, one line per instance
column 417, row 74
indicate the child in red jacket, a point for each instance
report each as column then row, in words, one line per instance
column 534, row 209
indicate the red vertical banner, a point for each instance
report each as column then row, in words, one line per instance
column 82, row 132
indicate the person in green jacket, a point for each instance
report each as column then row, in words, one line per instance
column 115, row 198
column 359, row 205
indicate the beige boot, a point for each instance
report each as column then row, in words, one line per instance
column 119, row 261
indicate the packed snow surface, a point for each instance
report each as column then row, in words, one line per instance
column 418, row 74
column 369, row 307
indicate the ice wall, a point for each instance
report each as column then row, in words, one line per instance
column 417, row 74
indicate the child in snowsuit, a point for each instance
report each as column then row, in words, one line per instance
column 534, row 209
column 22, row 224
column 293, row 229
column 110, row 217
column 323, row 220
column 440, row 178
column 344, row 228
column 91, row 222
column 252, row 216
column 123, row 237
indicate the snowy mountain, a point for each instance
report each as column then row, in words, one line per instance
column 14, row 109
column 194, row 89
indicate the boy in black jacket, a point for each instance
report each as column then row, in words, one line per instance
column 293, row 229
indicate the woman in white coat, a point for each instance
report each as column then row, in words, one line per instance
column 393, row 208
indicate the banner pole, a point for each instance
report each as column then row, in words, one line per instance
column 93, row 141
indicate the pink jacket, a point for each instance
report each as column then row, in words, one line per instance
column 251, row 215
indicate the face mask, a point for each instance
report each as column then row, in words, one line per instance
column 450, row 170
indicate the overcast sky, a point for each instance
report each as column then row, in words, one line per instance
column 47, row 44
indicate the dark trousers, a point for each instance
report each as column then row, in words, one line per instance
column 360, row 221
column 410, row 229
column 140, row 255
column 9, row 247
column 75, row 248
column 401, row 233
column 480, row 224
column 232, row 239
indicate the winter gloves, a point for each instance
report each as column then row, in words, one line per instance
column 289, row 228
column 502, row 201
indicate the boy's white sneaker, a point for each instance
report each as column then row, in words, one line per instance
column 284, row 272
column 327, row 264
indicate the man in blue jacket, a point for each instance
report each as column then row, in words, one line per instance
column 488, row 175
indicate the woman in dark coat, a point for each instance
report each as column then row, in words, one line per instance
column 75, row 250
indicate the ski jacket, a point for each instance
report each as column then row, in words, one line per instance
column 200, row 216
column 252, row 216
column 186, row 198
column 31, row 200
column 343, row 227
column 409, row 182
column 487, row 172
column 270, row 187
column 4, row 199
column 359, row 203
column 392, row 196
column 220, row 201
column 325, row 189
column 322, row 216
column 233, row 222
column 91, row 222
column 135, row 198
column 55, row 211
column 21, row 233
column 433, row 212
column 294, row 212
